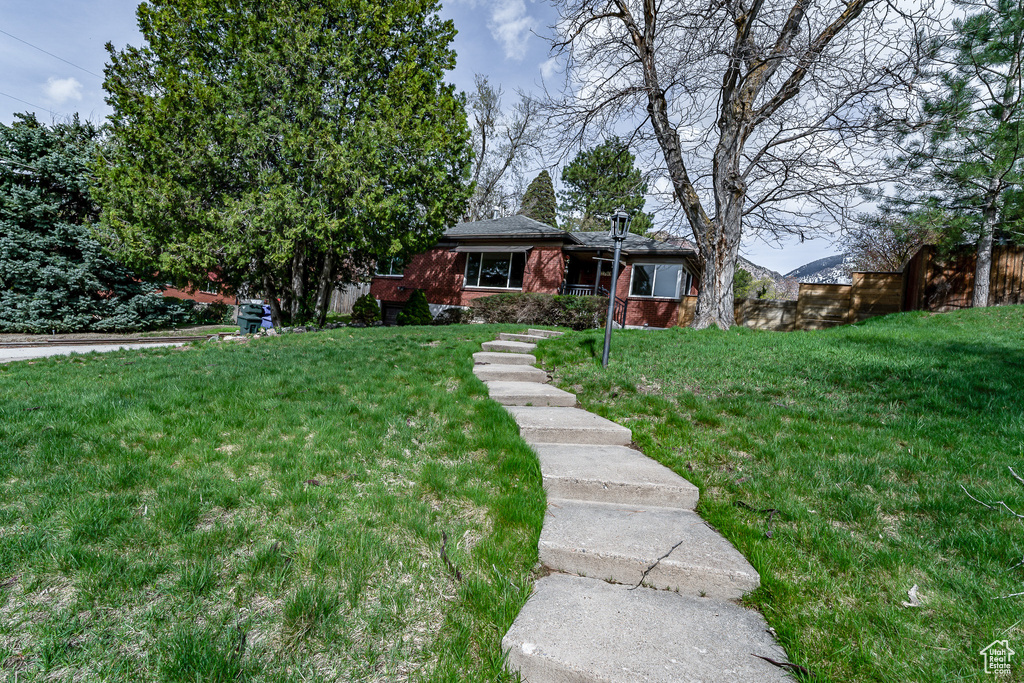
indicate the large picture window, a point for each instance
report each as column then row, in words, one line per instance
column 497, row 269
column 657, row 280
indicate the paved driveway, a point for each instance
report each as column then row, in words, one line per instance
column 12, row 354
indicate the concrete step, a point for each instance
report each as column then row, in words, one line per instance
column 508, row 346
column 567, row 425
column 544, row 333
column 619, row 543
column 510, row 373
column 529, row 394
column 508, row 336
column 611, row 474
column 588, row 631
column 492, row 358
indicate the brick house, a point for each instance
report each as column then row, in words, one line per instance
column 519, row 254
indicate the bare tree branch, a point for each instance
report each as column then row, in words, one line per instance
column 759, row 115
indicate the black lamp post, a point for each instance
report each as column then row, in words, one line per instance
column 618, row 230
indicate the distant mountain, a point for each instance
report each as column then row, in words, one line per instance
column 828, row 270
column 785, row 287
column 759, row 272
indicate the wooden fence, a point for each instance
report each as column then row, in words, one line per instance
column 343, row 299
column 820, row 306
column 687, row 309
column 875, row 294
column 938, row 283
column 928, row 282
column 766, row 314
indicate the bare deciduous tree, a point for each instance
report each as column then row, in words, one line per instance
column 502, row 144
column 883, row 245
column 759, row 112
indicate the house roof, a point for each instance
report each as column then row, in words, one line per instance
column 633, row 244
column 508, row 226
column 521, row 227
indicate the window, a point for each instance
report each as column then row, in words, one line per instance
column 498, row 269
column 391, row 266
column 657, row 280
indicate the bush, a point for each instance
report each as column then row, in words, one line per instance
column 453, row 316
column 416, row 311
column 365, row 310
column 213, row 314
column 576, row 312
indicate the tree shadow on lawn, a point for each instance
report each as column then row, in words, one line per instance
column 947, row 378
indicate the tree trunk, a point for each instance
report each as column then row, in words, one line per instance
column 325, row 286
column 703, row 228
column 715, row 301
column 285, row 296
column 270, row 292
column 298, row 285
column 983, row 268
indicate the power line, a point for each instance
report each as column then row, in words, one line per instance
column 36, row 47
column 34, row 106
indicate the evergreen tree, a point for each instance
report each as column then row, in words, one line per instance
column 365, row 310
column 416, row 310
column 742, row 282
column 968, row 145
column 283, row 144
column 539, row 200
column 54, row 275
column 597, row 183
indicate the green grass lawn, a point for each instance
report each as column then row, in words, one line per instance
column 345, row 506
column 866, row 440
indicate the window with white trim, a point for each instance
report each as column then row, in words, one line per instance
column 495, row 269
column 661, row 280
column 392, row 266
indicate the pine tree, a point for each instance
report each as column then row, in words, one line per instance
column 539, row 200
column 597, row 183
column 742, row 281
column 54, row 275
column 969, row 145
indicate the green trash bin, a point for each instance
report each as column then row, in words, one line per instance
column 250, row 318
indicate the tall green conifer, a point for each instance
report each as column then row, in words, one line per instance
column 597, row 183
column 54, row 275
column 282, row 142
column 539, row 200
column 968, row 146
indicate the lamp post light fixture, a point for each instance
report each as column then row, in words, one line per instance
column 618, row 230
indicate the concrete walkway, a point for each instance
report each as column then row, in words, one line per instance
column 641, row 589
column 8, row 355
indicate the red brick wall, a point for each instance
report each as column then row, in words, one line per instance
column 198, row 296
column 440, row 273
column 641, row 310
column 652, row 312
column 544, row 271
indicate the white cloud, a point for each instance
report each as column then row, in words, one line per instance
column 61, row 90
column 549, row 68
column 510, row 25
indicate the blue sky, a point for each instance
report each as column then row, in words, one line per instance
column 501, row 39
